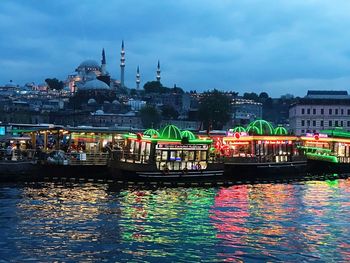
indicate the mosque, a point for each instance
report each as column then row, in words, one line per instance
column 93, row 86
column 90, row 75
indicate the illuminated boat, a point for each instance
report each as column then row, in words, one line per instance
column 327, row 151
column 260, row 152
column 168, row 155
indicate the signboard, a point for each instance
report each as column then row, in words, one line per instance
column 2, row 130
column 181, row 147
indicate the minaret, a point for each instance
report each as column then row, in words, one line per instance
column 158, row 71
column 103, row 63
column 122, row 65
column 138, row 78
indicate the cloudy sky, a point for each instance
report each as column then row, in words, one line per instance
column 235, row 45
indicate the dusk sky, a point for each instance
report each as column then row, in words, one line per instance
column 235, row 45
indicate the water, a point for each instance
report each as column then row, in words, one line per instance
column 299, row 222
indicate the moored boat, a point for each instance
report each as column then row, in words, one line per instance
column 168, row 155
column 327, row 151
column 261, row 152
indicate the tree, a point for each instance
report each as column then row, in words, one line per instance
column 263, row 96
column 168, row 112
column 251, row 96
column 153, row 87
column 54, row 84
column 214, row 109
column 150, row 117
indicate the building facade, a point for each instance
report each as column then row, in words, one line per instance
column 320, row 110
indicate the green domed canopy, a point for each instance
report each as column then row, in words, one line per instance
column 239, row 129
column 188, row 134
column 171, row 132
column 152, row 132
column 260, row 127
column 281, row 131
column 252, row 130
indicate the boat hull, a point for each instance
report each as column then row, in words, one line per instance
column 14, row 171
column 261, row 171
column 322, row 167
column 149, row 173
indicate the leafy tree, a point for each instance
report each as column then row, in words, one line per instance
column 263, row 96
column 54, row 84
column 251, row 96
column 153, row 87
column 150, row 117
column 133, row 92
column 169, row 112
column 177, row 90
column 214, row 109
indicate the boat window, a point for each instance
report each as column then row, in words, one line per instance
column 184, row 156
column 203, row 155
column 172, row 155
column 158, row 155
column 164, row 155
column 191, row 155
column 198, row 155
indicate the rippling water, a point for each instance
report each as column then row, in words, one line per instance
column 49, row 222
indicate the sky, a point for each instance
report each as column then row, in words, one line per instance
column 279, row 47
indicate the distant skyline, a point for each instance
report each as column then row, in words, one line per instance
column 278, row 47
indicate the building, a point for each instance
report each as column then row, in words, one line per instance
column 320, row 110
column 245, row 111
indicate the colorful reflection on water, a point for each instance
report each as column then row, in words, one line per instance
column 95, row 223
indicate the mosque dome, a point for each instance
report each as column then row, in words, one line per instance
column 95, row 85
column 89, row 64
column 11, row 84
column 106, row 102
column 116, row 102
column 99, row 112
column 91, row 101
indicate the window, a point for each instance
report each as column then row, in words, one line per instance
column 330, row 124
column 322, row 111
column 342, row 111
column 308, row 123
column 303, row 111
column 314, row 123
column 348, row 111
column 330, row 111
column 313, row 111
column 336, row 111
column 321, row 123
column 302, row 131
column 348, row 123
column 302, row 123
column 336, row 123
column 341, row 123
column 308, row 111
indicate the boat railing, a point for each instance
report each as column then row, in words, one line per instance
column 77, row 158
column 344, row 159
column 262, row 158
column 18, row 154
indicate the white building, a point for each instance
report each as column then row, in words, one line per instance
column 320, row 110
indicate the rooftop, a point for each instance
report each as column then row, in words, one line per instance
column 327, row 94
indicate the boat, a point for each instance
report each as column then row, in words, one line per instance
column 168, row 155
column 261, row 152
column 17, row 162
column 327, row 151
column 79, row 152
